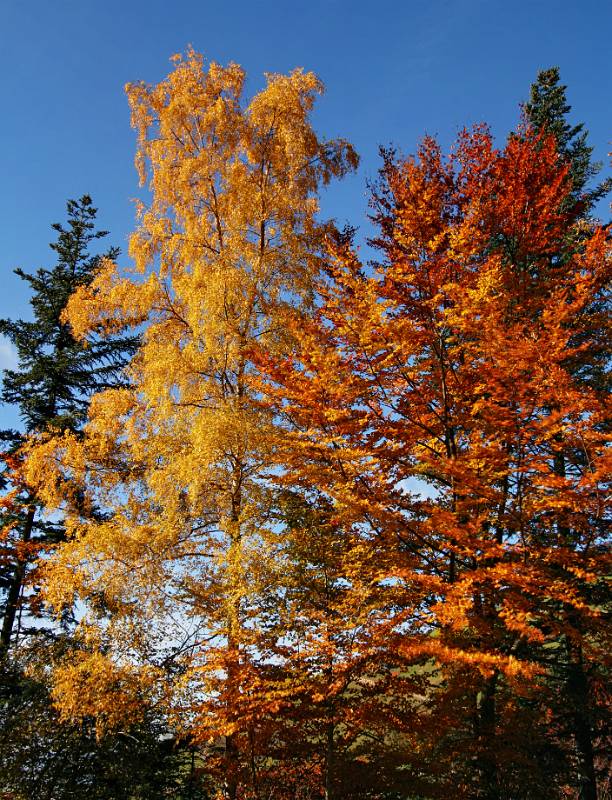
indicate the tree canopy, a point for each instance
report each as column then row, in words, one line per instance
column 328, row 527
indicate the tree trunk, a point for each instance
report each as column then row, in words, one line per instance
column 578, row 692
column 577, row 686
column 485, row 735
column 233, row 678
column 231, row 767
column 329, row 763
column 232, row 754
column 14, row 592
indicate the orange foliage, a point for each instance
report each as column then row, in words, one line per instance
column 435, row 404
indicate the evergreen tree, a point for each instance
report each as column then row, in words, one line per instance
column 56, row 375
column 51, row 387
column 575, row 683
column 548, row 109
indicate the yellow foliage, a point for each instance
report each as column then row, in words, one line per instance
column 177, row 462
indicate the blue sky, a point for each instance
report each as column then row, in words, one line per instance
column 394, row 70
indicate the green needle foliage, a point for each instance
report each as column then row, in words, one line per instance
column 548, row 109
column 51, row 386
column 57, row 374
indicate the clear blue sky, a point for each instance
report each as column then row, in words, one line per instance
column 394, row 70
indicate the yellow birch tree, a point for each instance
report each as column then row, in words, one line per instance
column 173, row 469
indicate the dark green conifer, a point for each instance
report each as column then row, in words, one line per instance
column 51, row 387
column 578, row 717
column 55, row 377
column 56, row 374
column 548, row 109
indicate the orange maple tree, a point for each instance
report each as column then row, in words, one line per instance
column 169, row 575
column 436, row 403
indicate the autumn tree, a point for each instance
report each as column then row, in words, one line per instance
column 332, row 694
column 42, row 757
column 451, row 365
column 178, row 459
column 50, row 388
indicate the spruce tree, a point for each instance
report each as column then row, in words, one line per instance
column 577, row 715
column 51, row 386
column 57, row 374
column 548, row 110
